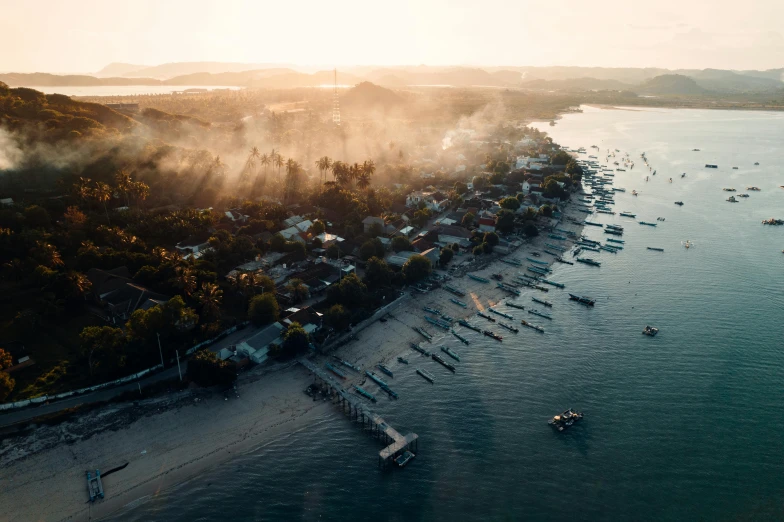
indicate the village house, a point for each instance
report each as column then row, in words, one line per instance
column 115, row 296
column 369, row 221
column 435, row 201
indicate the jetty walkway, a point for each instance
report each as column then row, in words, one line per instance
column 358, row 410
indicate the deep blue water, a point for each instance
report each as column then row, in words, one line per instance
column 685, row 426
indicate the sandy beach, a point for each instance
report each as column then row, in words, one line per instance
column 175, row 439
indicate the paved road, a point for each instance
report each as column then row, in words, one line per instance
column 29, row 413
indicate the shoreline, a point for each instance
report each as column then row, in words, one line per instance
column 174, row 444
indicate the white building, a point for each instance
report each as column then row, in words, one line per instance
column 430, row 200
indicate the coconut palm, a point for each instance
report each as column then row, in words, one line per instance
column 102, row 193
column 123, row 181
column 278, row 162
column 47, row 255
column 324, row 163
column 210, row 297
column 78, row 284
column 292, row 177
column 363, row 180
column 185, row 280
column 139, row 191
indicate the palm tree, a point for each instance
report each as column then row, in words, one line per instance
column 185, row 280
column 369, row 167
column 278, row 162
column 103, row 193
column 297, row 289
column 123, row 181
column 79, row 284
column 47, row 254
column 210, row 298
column 264, row 159
column 250, row 164
column 139, row 191
column 324, row 163
column 363, row 181
column 292, row 177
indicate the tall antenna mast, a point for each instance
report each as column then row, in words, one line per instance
column 336, row 103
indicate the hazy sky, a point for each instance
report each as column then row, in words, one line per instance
column 85, row 35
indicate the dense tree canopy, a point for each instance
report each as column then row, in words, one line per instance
column 416, row 268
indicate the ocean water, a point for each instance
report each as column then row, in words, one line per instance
column 688, row 425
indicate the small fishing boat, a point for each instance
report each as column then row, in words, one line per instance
column 454, row 290
column 542, row 301
column 493, row 310
column 460, row 337
column 94, row 486
column 532, row 326
column 493, row 335
column 436, row 323
column 538, row 262
column 364, row 393
column 423, row 333
column 458, row 303
column 648, row 224
column 449, row 366
column 552, row 283
column 588, row 261
column 508, row 288
column 513, row 262
column 485, row 316
column 650, row 331
column 450, row 353
column 427, row 375
column 732, row 199
column 564, row 261
column 421, row 350
column 628, row 214
column 565, row 420
column 655, row 249
column 335, row 371
column 404, row 458
column 497, row 277
column 466, row 324
column 621, row 241
column 508, row 327
column 613, row 232
column 679, row 203
column 583, row 300
column 514, row 305
column 540, row 314
column 477, row 278
column 385, row 370
column 402, row 360
column 347, row 364
column 433, row 311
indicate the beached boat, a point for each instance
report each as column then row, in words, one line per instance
column 447, row 319
column 385, row 370
column 537, row 270
column 508, row 288
column 540, row 314
column 449, row 366
column 564, row 261
column 485, row 316
column 583, row 300
column 421, row 350
column 555, row 247
column 466, row 324
column 606, row 212
column 628, row 214
column 557, row 255
column 613, row 232
column 532, row 326
column 493, row 310
column 648, row 224
column 454, row 290
column 347, row 364
column 450, row 353
column 433, row 311
column 508, row 327
column 565, row 420
column 497, row 277
column 556, row 236
column 426, row 374
column 514, row 305
column 460, row 337
column 402, row 360
column 335, row 371
column 542, row 301
column 552, row 283
column 493, row 335
column 611, row 240
column 588, row 261
column 513, row 262
column 434, row 322
column 366, row 394
column 477, row 278
column 459, row 303
column 655, row 249
column 609, row 248
column 423, row 333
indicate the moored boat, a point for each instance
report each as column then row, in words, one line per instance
column 449, row 366
column 361, row 391
column 583, row 300
column 433, row 311
column 493, row 310
column 485, row 316
column 542, row 301
column 514, row 305
column 650, row 331
column 477, row 278
column 426, row 374
column 588, row 261
column 656, row 249
column 385, row 370
column 508, row 327
column 335, row 371
column 458, row 303
column 460, row 337
column 493, row 335
column 450, row 353
column 532, row 326
column 421, row 350
column 540, row 314
column 565, row 420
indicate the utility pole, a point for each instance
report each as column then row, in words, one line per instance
column 178, row 363
column 160, row 350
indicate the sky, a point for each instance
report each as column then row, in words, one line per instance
column 83, row 36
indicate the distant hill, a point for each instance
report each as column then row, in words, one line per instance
column 721, row 80
column 368, row 95
column 170, row 70
column 576, row 84
column 671, row 84
column 75, row 80
column 119, row 69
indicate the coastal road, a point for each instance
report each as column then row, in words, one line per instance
column 27, row 414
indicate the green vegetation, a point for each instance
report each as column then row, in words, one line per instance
column 416, row 268
column 205, row 369
column 263, row 309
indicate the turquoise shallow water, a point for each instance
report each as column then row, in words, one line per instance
column 685, row 426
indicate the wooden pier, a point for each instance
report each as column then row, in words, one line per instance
column 361, row 412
